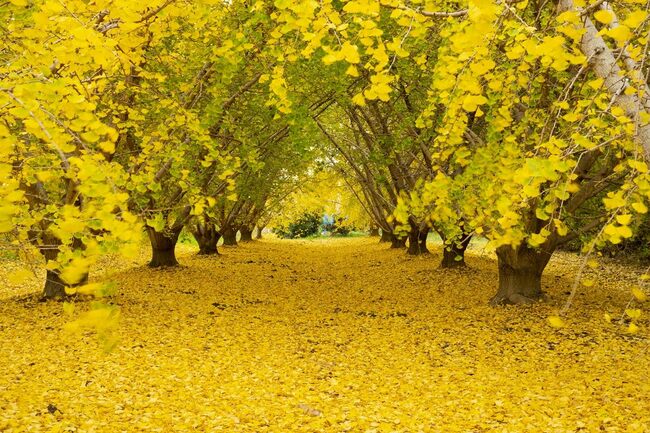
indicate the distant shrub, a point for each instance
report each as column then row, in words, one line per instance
column 336, row 226
column 308, row 224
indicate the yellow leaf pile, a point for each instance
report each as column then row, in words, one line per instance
column 337, row 335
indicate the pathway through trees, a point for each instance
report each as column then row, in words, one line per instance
column 325, row 335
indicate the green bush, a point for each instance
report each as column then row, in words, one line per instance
column 337, row 227
column 307, row 225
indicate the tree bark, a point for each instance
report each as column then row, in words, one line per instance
column 259, row 233
column 386, row 236
column 246, row 234
column 520, row 274
column 229, row 237
column 603, row 62
column 54, row 287
column 374, row 231
column 424, row 234
column 453, row 255
column 207, row 237
column 417, row 241
column 398, row 241
column 163, row 245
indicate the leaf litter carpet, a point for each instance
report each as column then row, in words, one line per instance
column 336, row 335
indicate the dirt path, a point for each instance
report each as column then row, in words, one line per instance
column 332, row 336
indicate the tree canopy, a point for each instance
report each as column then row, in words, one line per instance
column 520, row 121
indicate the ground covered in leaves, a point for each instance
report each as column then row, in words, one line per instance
column 327, row 336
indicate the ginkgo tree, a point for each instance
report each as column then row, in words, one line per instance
column 62, row 193
column 504, row 119
column 566, row 122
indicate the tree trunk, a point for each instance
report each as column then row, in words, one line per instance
column 520, row 274
column 246, row 234
column 54, row 287
column 603, row 62
column 453, row 255
column 374, row 231
column 386, row 236
column 229, row 237
column 398, row 241
column 206, row 236
column 259, row 232
column 424, row 234
column 163, row 245
column 416, row 244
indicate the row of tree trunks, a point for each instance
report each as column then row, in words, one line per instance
column 520, row 268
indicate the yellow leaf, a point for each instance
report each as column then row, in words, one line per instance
column 352, row 71
column 635, row 18
column 358, row 99
column 604, row 16
column 350, row 53
column 632, row 328
column 588, row 282
column 639, row 294
column 68, row 308
column 640, row 207
column 555, row 321
column 19, row 276
column 633, row 313
column 624, row 219
column 620, row 33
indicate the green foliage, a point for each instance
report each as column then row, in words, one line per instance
column 337, row 226
column 308, row 224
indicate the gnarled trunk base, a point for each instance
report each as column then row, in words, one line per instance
column 417, row 242
column 163, row 246
column 246, row 235
column 386, row 236
column 453, row 255
column 54, row 287
column 520, row 275
column 229, row 237
column 398, row 242
column 207, row 237
column 259, row 232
